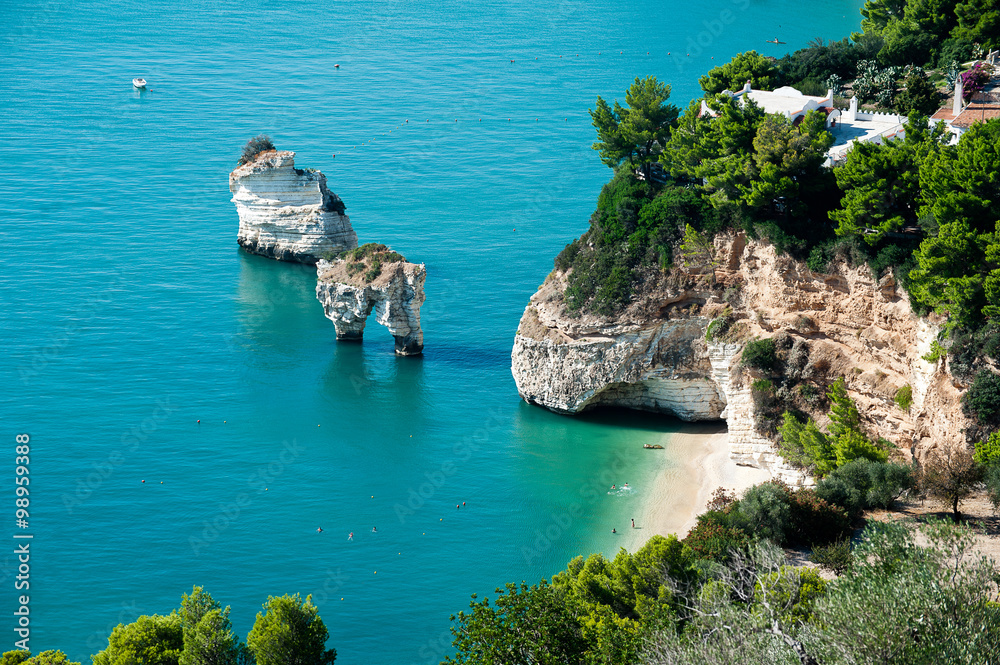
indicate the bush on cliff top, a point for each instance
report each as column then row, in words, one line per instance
column 982, row 400
column 255, row 146
column 369, row 258
column 760, row 354
column 632, row 234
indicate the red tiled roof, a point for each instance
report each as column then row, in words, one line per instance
column 979, row 113
column 944, row 113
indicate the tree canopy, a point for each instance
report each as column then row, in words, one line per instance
column 634, row 134
column 151, row 640
column 747, row 66
column 289, row 632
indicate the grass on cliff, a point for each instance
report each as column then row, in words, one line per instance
column 368, row 258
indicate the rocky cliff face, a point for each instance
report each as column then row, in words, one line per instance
column 655, row 356
column 396, row 296
column 288, row 213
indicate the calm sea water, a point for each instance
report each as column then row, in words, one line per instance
column 129, row 313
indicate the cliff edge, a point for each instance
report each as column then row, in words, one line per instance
column 288, row 213
column 656, row 355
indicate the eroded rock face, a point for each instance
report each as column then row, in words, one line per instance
column 396, row 296
column 288, row 213
column 654, row 356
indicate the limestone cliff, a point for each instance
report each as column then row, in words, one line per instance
column 288, row 213
column 395, row 290
column 654, row 356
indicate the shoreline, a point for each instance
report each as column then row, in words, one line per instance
column 695, row 461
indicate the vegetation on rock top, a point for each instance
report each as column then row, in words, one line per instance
column 255, row 146
column 368, row 259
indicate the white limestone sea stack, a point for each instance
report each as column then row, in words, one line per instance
column 288, row 213
column 350, row 288
column 656, row 355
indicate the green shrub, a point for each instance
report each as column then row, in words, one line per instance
column 936, row 353
column 793, row 590
column 982, row 400
column 991, row 479
column 715, row 538
column 815, row 520
column 835, row 557
column 255, row 146
column 765, row 511
column 988, row 452
column 863, row 484
column 717, row 328
column 904, row 397
column 805, row 446
column 564, row 260
column 897, row 257
column 370, row 259
column 853, row 445
column 760, row 354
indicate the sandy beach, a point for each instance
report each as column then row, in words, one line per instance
column 693, row 463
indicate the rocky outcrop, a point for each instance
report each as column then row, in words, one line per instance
column 288, row 213
column 396, row 295
column 654, row 356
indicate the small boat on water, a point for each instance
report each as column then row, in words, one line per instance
column 139, row 82
column 773, row 41
column 652, row 446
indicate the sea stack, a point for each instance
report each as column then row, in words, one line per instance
column 374, row 277
column 288, row 213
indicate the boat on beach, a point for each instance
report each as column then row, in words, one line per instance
column 139, row 82
column 653, row 446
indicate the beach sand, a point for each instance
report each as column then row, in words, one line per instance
column 694, row 462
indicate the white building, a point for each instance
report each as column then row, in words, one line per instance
column 847, row 127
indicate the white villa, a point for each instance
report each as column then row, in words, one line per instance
column 984, row 106
column 847, row 127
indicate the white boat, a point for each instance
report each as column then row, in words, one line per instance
column 139, row 83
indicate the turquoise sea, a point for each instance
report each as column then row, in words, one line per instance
column 129, row 313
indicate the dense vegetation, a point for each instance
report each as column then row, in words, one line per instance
column 678, row 602
column 367, row 259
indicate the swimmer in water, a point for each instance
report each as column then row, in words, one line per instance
column 612, row 487
column 374, row 530
column 626, row 485
column 614, row 530
column 319, row 530
column 633, row 522
column 350, row 536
